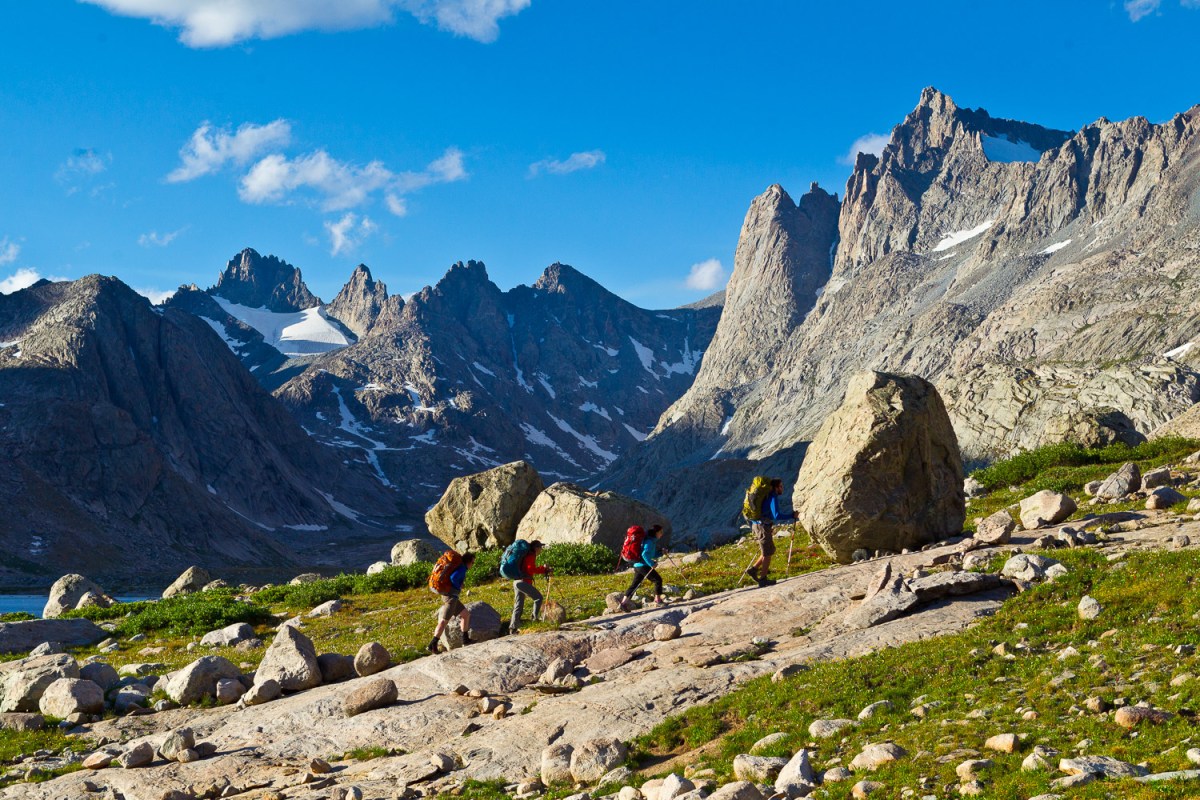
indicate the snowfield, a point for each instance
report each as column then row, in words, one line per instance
column 297, row 333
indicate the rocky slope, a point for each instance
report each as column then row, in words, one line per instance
column 1033, row 275
column 138, row 445
column 464, row 376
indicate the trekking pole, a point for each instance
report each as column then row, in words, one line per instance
column 791, row 545
column 546, row 600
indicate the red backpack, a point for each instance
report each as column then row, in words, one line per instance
column 631, row 550
column 439, row 579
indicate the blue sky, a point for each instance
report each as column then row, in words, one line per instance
column 153, row 139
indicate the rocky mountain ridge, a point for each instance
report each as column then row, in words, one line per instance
column 1005, row 262
column 138, row 445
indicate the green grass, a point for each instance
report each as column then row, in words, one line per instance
column 1149, row 601
column 16, row 616
column 1048, row 463
column 192, row 614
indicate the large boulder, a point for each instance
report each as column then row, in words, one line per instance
column 193, row 579
column 483, row 510
column 1045, row 508
column 21, row 637
column 199, row 679
column 24, row 681
column 67, row 593
column 410, row 551
column 1125, row 480
column 884, row 471
column 67, row 696
column 566, row 513
column 291, row 660
column 485, row 624
column 228, row 636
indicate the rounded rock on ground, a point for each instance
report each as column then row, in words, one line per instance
column 1045, row 508
column 410, row 551
column 442, row 762
column 199, row 679
column 371, row 658
column 770, row 740
column 192, row 580
column 666, row 631
column 1002, row 743
column 972, row 788
column 176, row 742
column 291, row 660
column 1088, row 608
column 996, row 528
column 866, row 788
column 674, row 786
column 1132, row 716
column 556, row 764
column 262, row 692
column 737, row 790
column 335, row 667
column 796, row 778
column 825, row 728
column 878, row 707
column 972, row 769
column 874, row 756
column 836, row 775
column 370, row 695
column 67, row 696
column 592, row 759
column 757, row 769
column 229, row 690
column 138, row 756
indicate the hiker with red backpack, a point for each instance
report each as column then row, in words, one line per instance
column 447, row 579
column 631, row 548
column 519, row 564
column 644, row 567
column 762, row 509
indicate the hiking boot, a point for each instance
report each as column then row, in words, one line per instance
column 466, row 637
column 763, row 582
column 433, row 646
column 751, row 573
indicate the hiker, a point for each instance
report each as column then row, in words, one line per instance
column 447, row 578
column 519, row 564
column 770, row 512
column 643, row 568
column 631, row 548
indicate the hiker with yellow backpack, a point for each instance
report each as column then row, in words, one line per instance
column 447, row 579
column 762, row 510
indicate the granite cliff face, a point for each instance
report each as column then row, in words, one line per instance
column 464, row 376
column 266, row 282
column 1031, row 274
column 137, row 445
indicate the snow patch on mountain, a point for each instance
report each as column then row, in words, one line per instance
column 298, row 333
column 958, row 237
column 1007, row 151
column 1054, row 248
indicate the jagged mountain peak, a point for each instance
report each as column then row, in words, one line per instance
column 564, row 279
column 257, row 281
column 361, row 301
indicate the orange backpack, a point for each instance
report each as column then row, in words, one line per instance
column 439, row 578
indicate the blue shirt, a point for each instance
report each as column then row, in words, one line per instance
column 771, row 510
column 458, row 578
column 649, row 553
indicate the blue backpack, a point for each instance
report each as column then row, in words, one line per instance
column 510, row 562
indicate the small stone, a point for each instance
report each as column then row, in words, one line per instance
column 1088, row 607
column 836, row 775
column 98, row 760
column 768, row 741
column 1002, row 742
column 1035, row 762
column 319, row 766
column 372, row 658
column 442, row 762
column 865, row 788
column 875, row 755
column 875, row 708
column 370, row 695
column 825, row 728
column 665, row 632
column 1132, row 716
column 757, row 769
column 135, row 757
column 972, row 769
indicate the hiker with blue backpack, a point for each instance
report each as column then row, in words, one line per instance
column 762, row 510
column 644, row 567
column 519, row 565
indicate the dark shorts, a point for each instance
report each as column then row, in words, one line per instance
column 764, row 535
column 451, row 606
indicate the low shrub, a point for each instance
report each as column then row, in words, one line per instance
column 579, row 559
column 486, row 567
column 1028, row 465
column 186, row 615
column 16, row 616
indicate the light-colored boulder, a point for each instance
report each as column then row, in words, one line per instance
column 21, row 637
column 996, row 528
column 1120, row 483
column 291, row 660
column 737, row 790
column 483, row 510
column 556, row 764
column 874, row 756
column 326, row 609
column 127, row 698
column 591, row 760
column 1089, row 607
column 568, row 513
column 485, row 624
column 378, row 567
column 67, row 696
column 176, row 742
column 229, row 691
column 1163, row 497
column 1045, row 508
column 757, row 769
column 1104, row 766
column 372, row 657
column 193, row 579
column 68, row 591
column 825, row 728
column 1002, row 743
column 24, row 681
column 1132, row 716
column 101, row 674
column 228, row 636
column 769, row 741
column 797, row 776
column 1027, row 567
column 674, row 786
column 262, row 692
column 410, row 551
column 199, row 679
column 884, row 471
column 335, row 667
column 1155, row 478
column 369, row 695
column 139, row 755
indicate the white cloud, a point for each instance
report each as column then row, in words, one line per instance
column 707, row 275
column 397, row 205
column 348, row 232
column 8, row 251
column 1141, row 8
column 21, row 279
column 210, row 149
column 872, row 143
column 156, row 296
column 81, row 170
column 573, row 163
column 155, row 239
column 341, row 185
column 218, row 23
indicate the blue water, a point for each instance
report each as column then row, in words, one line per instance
column 34, row 603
